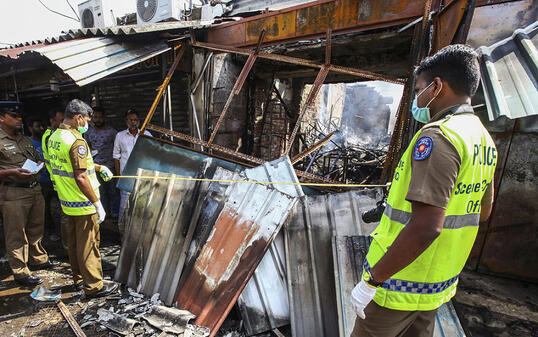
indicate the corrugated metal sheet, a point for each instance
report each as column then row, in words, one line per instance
column 88, row 60
column 510, row 75
column 161, row 219
column 264, row 301
column 350, row 252
column 160, row 27
column 245, row 6
column 313, row 297
column 243, row 231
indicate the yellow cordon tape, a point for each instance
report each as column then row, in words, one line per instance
column 250, row 181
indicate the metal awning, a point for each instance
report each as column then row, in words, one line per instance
column 88, row 60
column 510, row 75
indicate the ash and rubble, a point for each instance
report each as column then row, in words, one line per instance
column 136, row 315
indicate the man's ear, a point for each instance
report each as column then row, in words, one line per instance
column 2, row 118
column 437, row 86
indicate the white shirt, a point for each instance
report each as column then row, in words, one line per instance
column 123, row 145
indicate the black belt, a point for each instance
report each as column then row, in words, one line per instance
column 23, row 185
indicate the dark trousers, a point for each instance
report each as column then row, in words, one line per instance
column 383, row 322
column 48, row 194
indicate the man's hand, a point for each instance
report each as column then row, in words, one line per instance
column 101, row 214
column 105, row 172
column 22, row 174
column 361, row 295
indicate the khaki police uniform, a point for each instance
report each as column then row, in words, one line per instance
column 83, row 236
column 22, row 206
column 433, row 182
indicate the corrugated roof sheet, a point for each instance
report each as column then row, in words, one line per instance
column 168, row 27
column 510, row 75
column 88, row 60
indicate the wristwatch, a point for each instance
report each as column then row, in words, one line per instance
column 370, row 280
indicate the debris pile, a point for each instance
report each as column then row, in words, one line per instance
column 136, row 315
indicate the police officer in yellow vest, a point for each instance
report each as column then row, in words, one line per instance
column 441, row 189
column 74, row 174
column 56, row 118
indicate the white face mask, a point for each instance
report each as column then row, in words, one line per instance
column 423, row 114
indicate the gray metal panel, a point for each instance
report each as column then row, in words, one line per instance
column 349, row 254
column 88, row 60
column 161, row 220
column 510, row 75
column 311, row 278
column 245, row 6
column 264, row 301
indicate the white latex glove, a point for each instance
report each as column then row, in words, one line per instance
column 105, row 172
column 361, row 295
column 101, row 214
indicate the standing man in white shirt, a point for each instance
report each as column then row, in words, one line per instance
column 123, row 145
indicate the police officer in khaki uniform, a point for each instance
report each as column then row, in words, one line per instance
column 74, row 174
column 21, row 202
column 441, row 190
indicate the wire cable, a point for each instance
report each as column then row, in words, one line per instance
column 74, row 11
column 55, row 12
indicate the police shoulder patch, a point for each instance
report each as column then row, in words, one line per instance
column 82, row 151
column 423, row 148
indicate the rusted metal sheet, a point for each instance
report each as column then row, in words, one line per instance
column 448, row 22
column 310, row 267
column 312, row 20
column 243, row 231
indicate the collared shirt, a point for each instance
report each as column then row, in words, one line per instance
column 433, row 180
column 78, row 151
column 123, row 145
column 15, row 151
column 102, row 141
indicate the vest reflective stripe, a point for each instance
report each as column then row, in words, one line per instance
column 415, row 287
column 76, row 204
column 63, row 173
column 451, row 221
column 72, row 200
column 431, row 279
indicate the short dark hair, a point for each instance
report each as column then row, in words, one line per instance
column 100, row 109
column 131, row 111
column 52, row 112
column 32, row 119
column 75, row 107
column 456, row 64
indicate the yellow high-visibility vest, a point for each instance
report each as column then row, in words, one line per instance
column 73, row 201
column 431, row 279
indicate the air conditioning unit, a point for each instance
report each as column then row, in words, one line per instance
column 102, row 13
column 150, row 11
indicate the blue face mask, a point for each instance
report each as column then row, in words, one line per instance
column 423, row 114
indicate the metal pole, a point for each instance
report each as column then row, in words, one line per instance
column 163, row 86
